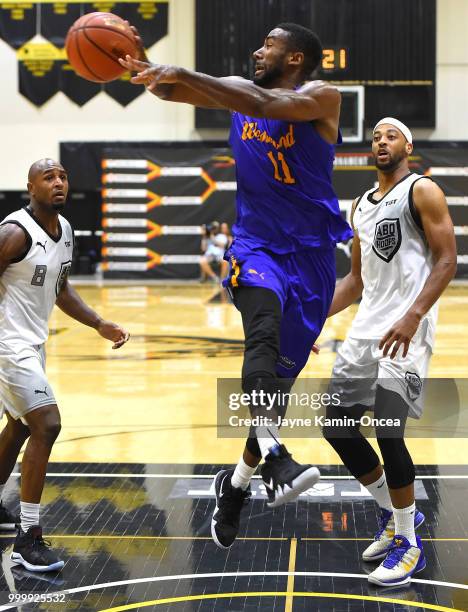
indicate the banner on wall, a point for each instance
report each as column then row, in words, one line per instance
column 43, row 68
column 122, row 91
column 56, row 19
column 149, row 18
column 78, row 90
column 39, row 68
column 18, row 22
column 155, row 199
column 155, row 203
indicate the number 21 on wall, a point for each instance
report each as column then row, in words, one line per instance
column 282, row 172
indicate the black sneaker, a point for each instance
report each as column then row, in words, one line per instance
column 34, row 553
column 229, row 502
column 20, row 574
column 7, row 520
column 284, row 478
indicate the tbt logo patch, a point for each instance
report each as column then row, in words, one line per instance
column 387, row 239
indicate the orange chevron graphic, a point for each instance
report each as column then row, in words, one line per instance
column 155, row 171
column 155, row 230
column 155, row 200
column 156, row 259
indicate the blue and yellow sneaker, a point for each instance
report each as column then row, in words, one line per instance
column 384, row 537
column 402, row 561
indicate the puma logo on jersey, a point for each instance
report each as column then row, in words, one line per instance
column 67, row 243
column 38, row 391
column 260, row 274
column 42, row 245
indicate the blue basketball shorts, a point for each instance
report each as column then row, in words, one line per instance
column 304, row 282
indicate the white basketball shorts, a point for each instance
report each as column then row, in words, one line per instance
column 23, row 382
column 360, row 365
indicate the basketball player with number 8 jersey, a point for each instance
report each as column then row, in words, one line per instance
column 36, row 246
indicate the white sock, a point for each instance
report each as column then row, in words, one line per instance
column 29, row 515
column 404, row 523
column 242, row 475
column 267, row 438
column 379, row 491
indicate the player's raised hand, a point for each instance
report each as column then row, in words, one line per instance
column 151, row 75
column 113, row 332
column 134, row 65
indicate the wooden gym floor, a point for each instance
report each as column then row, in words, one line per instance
column 128, row 499
column 154, row 400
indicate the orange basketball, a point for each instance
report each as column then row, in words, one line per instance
column 94, row 44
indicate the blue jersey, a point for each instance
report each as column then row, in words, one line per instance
column 285, row 199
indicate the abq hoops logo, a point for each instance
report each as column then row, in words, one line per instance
column 387, row 239
column 414, row 385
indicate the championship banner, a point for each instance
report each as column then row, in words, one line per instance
column 18, row 22
column 43, row 67
column 78, row 90
column 56, row 19
column 122, row 91
column 149, row 18
column 39, row 71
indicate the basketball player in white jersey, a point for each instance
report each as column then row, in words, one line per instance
column 403, row 257
column 36, row 245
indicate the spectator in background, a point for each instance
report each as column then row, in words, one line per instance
column 226, row 230
column 214, row 243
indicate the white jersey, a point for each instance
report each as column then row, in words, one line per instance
column 395, row 261
column 30, row 285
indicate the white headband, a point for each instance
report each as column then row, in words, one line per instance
column 399, row 125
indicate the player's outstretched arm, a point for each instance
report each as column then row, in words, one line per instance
column 314, row 100
column 71, row 303
column 170, row 92
column 429, row 201
column 167, row 90
column 13, row 245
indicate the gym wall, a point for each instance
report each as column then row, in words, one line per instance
column 29, row 132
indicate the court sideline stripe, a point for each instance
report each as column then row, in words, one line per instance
column 288, row 594
column 220, row 575
column 291, row 567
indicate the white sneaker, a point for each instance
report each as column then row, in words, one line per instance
column 401, row 563
column 384, row 537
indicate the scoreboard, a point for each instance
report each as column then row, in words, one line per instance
column 387, row 46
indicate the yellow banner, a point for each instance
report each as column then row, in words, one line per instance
column 40, row 51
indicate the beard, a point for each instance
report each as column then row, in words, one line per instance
column 268, row 76
column 391, row 164
column 58, row 207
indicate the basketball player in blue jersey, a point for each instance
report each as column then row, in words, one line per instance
column 282, row 275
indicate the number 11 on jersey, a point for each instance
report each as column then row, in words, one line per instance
column 282, row 174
